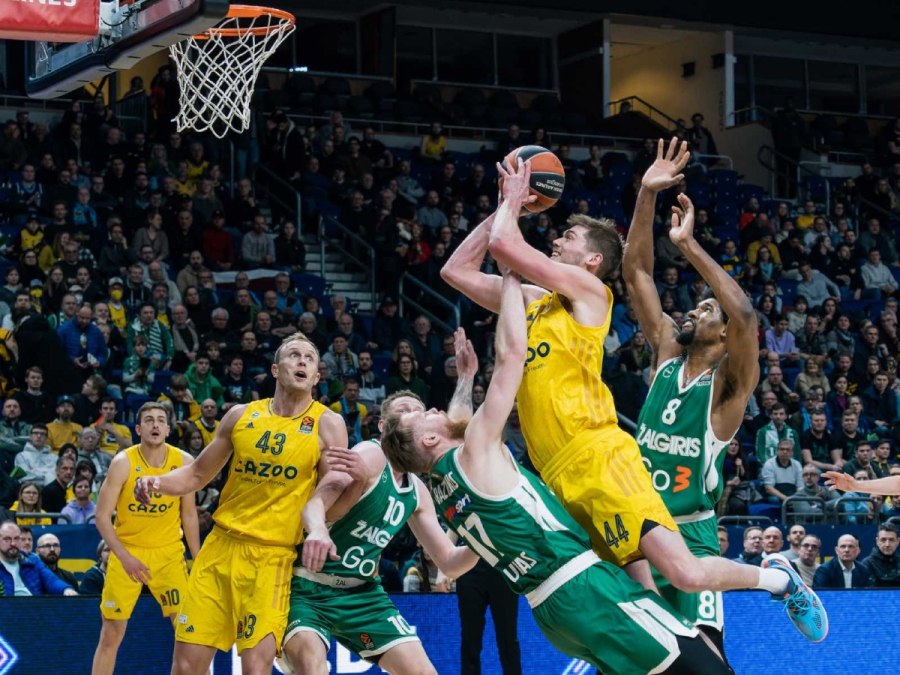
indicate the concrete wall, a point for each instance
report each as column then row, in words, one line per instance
column 655, row 76
column 742, row 144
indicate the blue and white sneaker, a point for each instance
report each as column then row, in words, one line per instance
column 802, row 605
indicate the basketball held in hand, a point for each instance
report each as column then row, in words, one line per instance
column 548, row 179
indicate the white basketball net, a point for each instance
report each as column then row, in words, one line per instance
column 217, row 74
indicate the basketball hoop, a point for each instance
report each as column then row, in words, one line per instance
column 217, row 69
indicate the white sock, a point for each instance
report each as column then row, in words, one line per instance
column 773, row 580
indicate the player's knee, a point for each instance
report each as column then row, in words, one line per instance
column 111, row 634
column 303, row 659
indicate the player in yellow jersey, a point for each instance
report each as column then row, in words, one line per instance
column 593, row 466
column 240, row 583
column 145, row 539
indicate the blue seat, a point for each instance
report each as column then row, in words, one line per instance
column 772, row 511
column 896, row 272
column 330, row 210
column 747, row 191
column 816, row 188
column 381, row 364
column 401, row 154
column 726, row 208
column 309, row 284
column 162, row 379
column 134, row 402
column 788, row 290
column 770, row 206
column 616, row 213
column 790, row 376
column 226, row 295
column 726, row 193
column 700, row 195
column 722, row 178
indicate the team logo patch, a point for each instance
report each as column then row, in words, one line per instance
column 669, row 370
column 240, row 630
column 306, row 425
column 366, row 641
column 182, row 618
column 254, row 415
column 109, row 603
column 137, row 468
column 189, row 629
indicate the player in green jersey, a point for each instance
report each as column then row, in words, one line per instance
column 701, row 379
column 587, row 608
column 336, row 591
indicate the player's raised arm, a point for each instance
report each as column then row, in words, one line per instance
column 511, row 346
column 119, row 471
column 463, row 269
column 453, row 561
column 460, row 407
column 740, row 366
column 198, row 474
column 637, row 266
column 190, row 521
column 838, row 480
column 509, row 247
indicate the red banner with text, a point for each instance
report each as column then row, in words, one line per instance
column 49, row 20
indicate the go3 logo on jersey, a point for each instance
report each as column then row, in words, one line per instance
column 662, row 481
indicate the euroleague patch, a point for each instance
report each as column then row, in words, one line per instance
column 306, row 425
column 366, row 641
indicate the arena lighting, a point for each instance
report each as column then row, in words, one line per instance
column 299, row 69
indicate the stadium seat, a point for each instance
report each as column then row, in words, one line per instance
column 361, row 107
column 699, row 194
column 816, row 188
column 384, row 109
column 164, row 377
column 408, row 111
column 545, row 103
column 336, row 86
column 379, row 91
column 790, row 376
column 788, row 290
column 772, row 511
column 721, row 178
column 381, row 364
column 324, row 103
column 501, row 117
column 747, row 191
column 309, row 284
column 300, row 84
column 503, row 98
column 469, row 96
column 529, row 118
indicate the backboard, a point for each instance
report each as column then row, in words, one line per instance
column 128, row 33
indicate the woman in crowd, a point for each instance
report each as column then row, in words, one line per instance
column 290, row 253
column 812, row 376
column 29, row 502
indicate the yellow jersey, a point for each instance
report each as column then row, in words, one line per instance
column 208, row 434
column 561, row 394
column 274, row 471
column 108, row 442
column 60, row 433
column 159, row 523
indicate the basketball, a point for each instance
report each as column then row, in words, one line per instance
column 548, row 179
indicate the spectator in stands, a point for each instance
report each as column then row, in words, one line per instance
column 880, row 404
column 80, row 508
column 138, row 371
column 795, row 537
column 201, row 382
column 185, row 410
column 862, row 460
column 83, row 342
column 94, row 579
column 884, row 563
column 882, row 461
column 433, row 145
column 53, row 495
column 355, row 414
column 207, row 425
column 29, row 501
column 113, row 436
column 371, row 391
column 290, row 251
column 811, row 488
column 25, row 575
column 27, row 539
column 772, row 541
column 782, row 475
column 407, row 379
column 342, row 363
column 431, row 215
column 257, row 248
column 12, row 425
column 669, row 281
column 63, row 430
column 723, row 540
column 774, row 382
column 49, row 551
column 36, row 458
column 816, row 287
column 807, row 563
column 812, row 375
column 161, row 348
column 89, row 450
column 843, row 571
column 752, row 553
column 877, row 277
column 817, row 446
column 770, row 436
column 874, row 238
column 781, row 341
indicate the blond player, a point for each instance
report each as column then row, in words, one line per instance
column 145, row 539
column 240, row 583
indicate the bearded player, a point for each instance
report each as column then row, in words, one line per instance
column 701, row 381
column 336, row 591
column 568, row 415
column 240, row 583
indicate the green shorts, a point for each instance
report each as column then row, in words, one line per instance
column 704, row 608
column 362, row 618
column 603, row 617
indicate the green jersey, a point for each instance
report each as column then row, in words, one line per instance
column 361, row 535
column 526, row 534
column 677, row 442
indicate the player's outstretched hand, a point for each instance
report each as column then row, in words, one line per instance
column 666, row 170
column 317, row 548
column 135, row 569
column 466, row 360
column 838, row 480
column 144, row 486
column 347, row 461
column 517, row 183
column 682, row 230
column 443, row 583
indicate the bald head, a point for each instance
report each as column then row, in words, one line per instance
column 773, row 541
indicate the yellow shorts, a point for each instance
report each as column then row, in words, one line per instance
column 238, row 593
column 168, row 581
column 604, row 485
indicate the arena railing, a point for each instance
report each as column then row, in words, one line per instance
column 726, row 158
column 405, row 299
column 326, row 242
column 843, row 517
column 767, row 156
column 763, row 521
column 279, row 191
column 49, row 104
column 28, row 515
column 813, row 517
column 670, row 123
column 475, row 133
column 751, row 115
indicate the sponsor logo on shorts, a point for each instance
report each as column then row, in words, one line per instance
column 240, row 630
column 253, row 416
column 306, row 425
column 182, row 618
column 189, row 629
column 366, row 641
column 118, row 610
column 249, row 425
column 109, row 603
